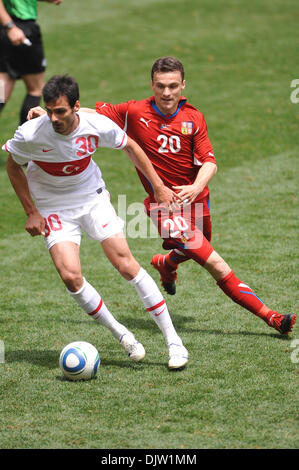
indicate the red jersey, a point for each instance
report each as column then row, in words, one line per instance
column 177, row 145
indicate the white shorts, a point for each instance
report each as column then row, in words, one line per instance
column 98, row 219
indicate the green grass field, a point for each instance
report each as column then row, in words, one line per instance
column 240, row 388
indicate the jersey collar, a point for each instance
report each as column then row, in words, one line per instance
column 181, row 103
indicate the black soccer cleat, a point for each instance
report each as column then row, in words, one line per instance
column 170, row 287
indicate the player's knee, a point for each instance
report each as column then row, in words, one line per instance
column 73, row 280
column 128, row 267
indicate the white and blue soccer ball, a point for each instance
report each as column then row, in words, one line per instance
column 79, row 361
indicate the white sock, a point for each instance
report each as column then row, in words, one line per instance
column 155, row 304
column 92, row 303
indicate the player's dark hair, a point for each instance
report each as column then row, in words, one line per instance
column 168, row 64
column 61, row 85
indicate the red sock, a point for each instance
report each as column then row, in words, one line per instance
column 243, row 295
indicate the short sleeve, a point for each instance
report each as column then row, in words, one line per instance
column 18, row 148
column 117, row 113
column 203, row 150
column 111, row 135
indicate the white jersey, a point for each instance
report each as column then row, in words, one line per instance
column 61, row 173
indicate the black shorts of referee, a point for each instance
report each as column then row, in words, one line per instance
column 22, row 60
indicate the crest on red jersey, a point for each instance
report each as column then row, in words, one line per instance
column 186, row 127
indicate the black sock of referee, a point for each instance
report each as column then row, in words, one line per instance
column 1, row 106
column 29, row 102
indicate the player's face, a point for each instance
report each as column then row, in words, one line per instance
column 167, row 88
column 63, row 117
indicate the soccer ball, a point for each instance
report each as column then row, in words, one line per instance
column 79, row 361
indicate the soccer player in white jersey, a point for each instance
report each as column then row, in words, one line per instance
column 63, row 192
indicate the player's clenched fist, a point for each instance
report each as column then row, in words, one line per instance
column 35, row 224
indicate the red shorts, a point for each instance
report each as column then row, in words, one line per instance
column 187, row 229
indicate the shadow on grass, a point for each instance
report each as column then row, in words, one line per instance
column 46, row 358
column 180, row 322
column 238, row 333
column 141, row 321
column 50, row 358
column 146, row 323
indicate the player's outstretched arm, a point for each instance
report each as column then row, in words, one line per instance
column 163, row 195
column 38, row 111
column 35, row 223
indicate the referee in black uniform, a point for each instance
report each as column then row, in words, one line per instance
column 21, row 52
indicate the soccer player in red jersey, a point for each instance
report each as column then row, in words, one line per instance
column 174, row 136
